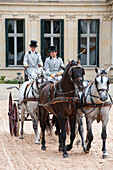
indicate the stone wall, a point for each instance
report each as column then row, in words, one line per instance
column 70, row 11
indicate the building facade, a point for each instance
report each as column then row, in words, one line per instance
column 71, row 25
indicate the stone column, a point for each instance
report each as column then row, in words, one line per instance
column 106, row 41
column 70, row 37
column 34, row 28
column 1, row 41
column 112, row 41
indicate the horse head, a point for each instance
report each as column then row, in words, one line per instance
column 76, row 73
column 102, row 83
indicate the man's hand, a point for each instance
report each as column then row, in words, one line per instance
column 52, row 76
column 26, row 66
column 58, row 74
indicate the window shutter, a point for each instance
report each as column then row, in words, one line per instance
column 62, row 39
column 42, row 40
column 98, row 26
column 79, row 37
column 24, row 35
column 6, row 35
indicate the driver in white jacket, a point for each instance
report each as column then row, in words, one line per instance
column 32, row 59
column 53, row 65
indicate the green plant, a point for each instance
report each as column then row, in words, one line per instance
column 14, row 81
column 2, row 78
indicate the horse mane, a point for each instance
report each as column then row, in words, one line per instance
column 66, row 76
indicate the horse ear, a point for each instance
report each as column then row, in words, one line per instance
column 63, row 68
column 96, row 69
column 79, row 62
column 107, row 70
column 83, row 71
column 69, row 62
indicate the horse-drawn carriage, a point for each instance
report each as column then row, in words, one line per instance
column 67, row 100
column 14, row 111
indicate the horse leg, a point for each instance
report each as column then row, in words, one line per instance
column 22, row 121
column 43, row 126
column 35, row 127
column 55, row 121
column 63, row 135
column 81, row 130
column 104, row 136
column 89, row 137
column 59, row 135
column 72, row 136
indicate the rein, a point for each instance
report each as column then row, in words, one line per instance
column 76, row 100
column 34, row 98
column 41, row 76
column 29, row 74
column 64, row 99
column 68, row 92
column 61, row 93
column 26, row 98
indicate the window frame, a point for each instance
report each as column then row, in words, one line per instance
column 15, row 35
column 89, row 35
column 52, row 36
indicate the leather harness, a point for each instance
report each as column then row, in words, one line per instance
column 30, row 99
column 76, row 102
column 64, row 99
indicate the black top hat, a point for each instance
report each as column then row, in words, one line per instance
column 33, row 43
column 53, row 48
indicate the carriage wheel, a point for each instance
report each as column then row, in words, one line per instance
column 15, row 120
column 10, row 114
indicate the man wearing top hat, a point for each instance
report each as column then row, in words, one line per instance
column 52, row 65
column 32, row 59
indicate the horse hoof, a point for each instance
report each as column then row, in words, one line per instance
column 21, row 137
column 43, row 148
column 65, row 155
column 56, row 133
column 68, row 147
column 37, row 142
column 105, row 155
column 85, row 149
column 60, row 149
column 78, row 143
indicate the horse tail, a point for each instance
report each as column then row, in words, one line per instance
column 54, row 120
column 55, row 123
column 39, row 114
column 48, row 124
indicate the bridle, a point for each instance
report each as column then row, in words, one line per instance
column 60, row 92
column 70, row 74
column 102, row 90
column 94, row 105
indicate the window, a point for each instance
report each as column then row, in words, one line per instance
column 52, row 34
column 88, row 38
column 14, row 42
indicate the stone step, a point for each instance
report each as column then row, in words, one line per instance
column 4, row 93
column 111, row 79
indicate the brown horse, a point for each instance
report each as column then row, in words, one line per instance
column 59, row 100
